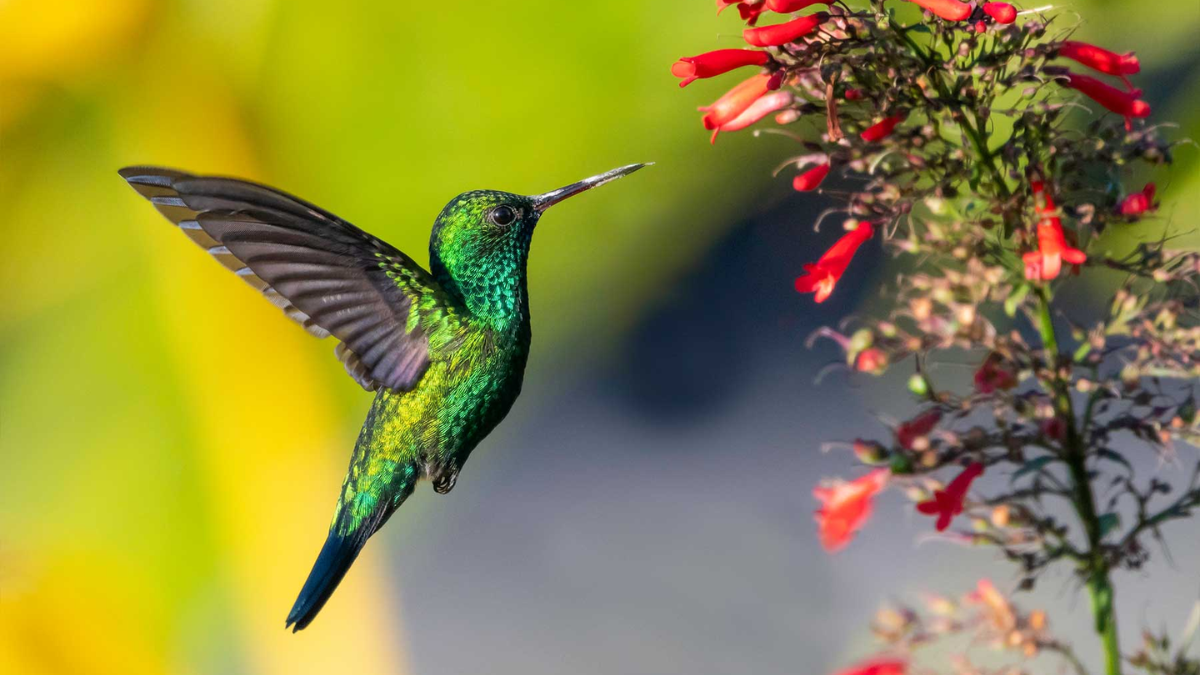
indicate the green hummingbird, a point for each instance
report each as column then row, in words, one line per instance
column 444, row 350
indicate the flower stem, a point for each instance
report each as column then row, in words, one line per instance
column 1095, row 564
column 977, row 133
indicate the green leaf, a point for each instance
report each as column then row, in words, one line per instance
column 1114, row 456
column 1035, row 465
column 1108, row 523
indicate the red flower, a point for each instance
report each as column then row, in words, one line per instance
column 765, row 105
column 1055, row 428
column 781, row 34
column 918, row 427
column 994, row 376
column 853, row 94
column 877, row 666
column 845, row 508
column 871, row 360
column 1124, row 103
column 1002, row 12
column 950, row 10
column 881, row 129
column 824, row 275
column 719, row 62
column 735, row 101
column 811, row 179
column 1046, row 262
column 949, row 502
column 750, row 13
column 1100, row 59
column 1138, row 203
column 789, row 6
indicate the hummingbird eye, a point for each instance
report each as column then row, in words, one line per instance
column 503, row 215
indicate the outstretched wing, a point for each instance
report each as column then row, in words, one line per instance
column 330, row 276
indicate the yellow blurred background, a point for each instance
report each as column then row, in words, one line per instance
column 170, row 445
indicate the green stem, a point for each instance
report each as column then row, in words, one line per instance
column 1095, row 565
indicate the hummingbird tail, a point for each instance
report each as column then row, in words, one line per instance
column 337, row 555
column 333, row 562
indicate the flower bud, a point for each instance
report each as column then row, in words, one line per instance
column 1002, row 12
column 881, row 129
column 918, row 385
column 811, row 179
column 1138, row 203
column 872, row 360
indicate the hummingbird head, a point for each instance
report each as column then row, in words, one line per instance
column 479, row 246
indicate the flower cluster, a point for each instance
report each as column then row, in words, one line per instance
column 949, row 132
column 985, row 614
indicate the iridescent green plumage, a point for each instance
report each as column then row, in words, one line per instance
column 444, row 350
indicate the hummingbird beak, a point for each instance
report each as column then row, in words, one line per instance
column 544, row 201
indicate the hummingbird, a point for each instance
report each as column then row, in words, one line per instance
column 443, row 350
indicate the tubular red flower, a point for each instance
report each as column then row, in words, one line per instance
column 950, row 10
column 1046, row 262
column 881, row 129
column 1002, row 12
column 949, row 502
column 824, row 275
column 789, row 6
column 878, row 666
column 845, row 508
column 763, row 106
column 781, row 34
column 1139, row 202
column 735, row 101
column 994, row 375
column 719, row 62
column 853, row 94
column 919, row 426
column 811, row 179
column 1100, row 59
column 750, row 13
column 1124, row 103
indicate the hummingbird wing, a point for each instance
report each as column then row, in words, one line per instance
column 330, row 276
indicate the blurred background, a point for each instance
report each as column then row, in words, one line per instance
column 171, row 445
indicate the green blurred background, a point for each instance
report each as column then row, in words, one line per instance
column 170, row 445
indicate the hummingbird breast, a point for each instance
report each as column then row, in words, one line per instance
column 466, row 392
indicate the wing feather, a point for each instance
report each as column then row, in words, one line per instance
column 326, row 274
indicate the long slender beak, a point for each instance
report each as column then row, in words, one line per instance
column 544, row 201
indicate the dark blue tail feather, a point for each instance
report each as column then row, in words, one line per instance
column 343, row 545
column 335, row 559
